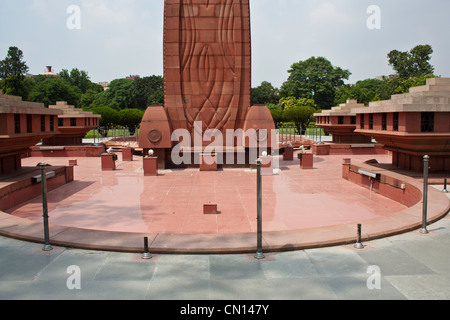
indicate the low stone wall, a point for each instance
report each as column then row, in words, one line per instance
column 25, row 189
column 68, row 151
column 391, row 187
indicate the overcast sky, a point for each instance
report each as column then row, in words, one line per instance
column 118, row 38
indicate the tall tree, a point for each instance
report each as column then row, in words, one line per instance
column 55, row 89
column 413, row 63
column 80, row 79
column 265, row 93
column 149, row 90
column 15, row 85
column 13, row 64
column 315, row 78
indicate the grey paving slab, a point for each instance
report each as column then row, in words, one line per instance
column 232, row 267
column 422, row 287
column 394, row 261
column 289, row 265
column 337, row 261
column 412, row 266
column 178, row 288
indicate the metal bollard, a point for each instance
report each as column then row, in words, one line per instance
column 259, row 254
column 146, row 254
column 47, row 246
column 358, row 244
column 445, row 186
column 426, row 160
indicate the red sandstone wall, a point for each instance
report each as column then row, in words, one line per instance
column 386, row 186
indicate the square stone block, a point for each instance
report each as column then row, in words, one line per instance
column 266, row 166
column 306, row 161
column 151, row 166
column 210, row 209
column 127, row 154
column 73, row 162
column 288, row 154
column 108, row 161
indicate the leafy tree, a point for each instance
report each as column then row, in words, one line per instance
column 110, row 118
column 290, row 102
column 413, row 63
column 80, row 79
column 315, row 78
column 13, row 64
column 277, row 115
column 148, row 90
column 123, row 92
column 130, row 118
column 301, row 116
column 265, row 93
column 363, row 91
column 15, row 85
column 55, row 89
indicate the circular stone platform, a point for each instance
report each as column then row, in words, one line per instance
column 115, row 210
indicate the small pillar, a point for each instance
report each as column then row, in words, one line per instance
column 109, row 161
column 127, row 154
column 288, row 154
column 306, row 160
column 207, row 165
column 266, row 166
column 150, row 166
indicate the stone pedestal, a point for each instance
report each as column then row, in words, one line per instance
column 108, row 161
column 127, row 154
column 208, row 162
column 306, row 160
column 320, row 149
column 266, row 166
column 288, row 154
column 151, row 166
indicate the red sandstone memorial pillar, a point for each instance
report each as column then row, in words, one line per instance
column 207, row 79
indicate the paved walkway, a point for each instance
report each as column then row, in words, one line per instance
column 409, row 266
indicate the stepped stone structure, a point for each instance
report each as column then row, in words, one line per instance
column 341, row 123
column 412, row 125
column 73, row 124
column 22, row 125
column 207, row 79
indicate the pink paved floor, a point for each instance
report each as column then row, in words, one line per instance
column 126, row 201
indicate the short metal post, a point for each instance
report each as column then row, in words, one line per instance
column 259, row 254
column 47, row 246
column 445, row 186
column 358, row 244
column 146, row 254
column 426, row 160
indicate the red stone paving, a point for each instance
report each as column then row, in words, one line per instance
column 172, row 202
column 115, row 210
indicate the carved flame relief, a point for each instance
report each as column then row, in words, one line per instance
column 211, row 62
